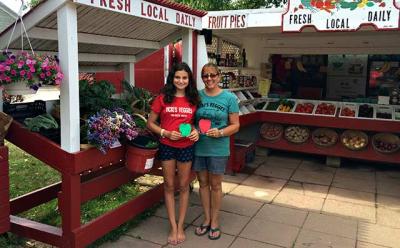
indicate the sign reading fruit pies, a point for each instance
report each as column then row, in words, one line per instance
column 147, row 10
column 340, row 15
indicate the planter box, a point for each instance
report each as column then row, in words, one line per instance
column 4, row 191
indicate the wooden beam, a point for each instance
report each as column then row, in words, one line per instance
column 51, row 34
column 92, row 57
column 31, row 19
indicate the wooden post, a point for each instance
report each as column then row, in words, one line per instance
column 4, row 191
column 187, row 47
column 68, row 55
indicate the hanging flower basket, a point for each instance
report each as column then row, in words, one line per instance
column 141, row 153
column 23, row 73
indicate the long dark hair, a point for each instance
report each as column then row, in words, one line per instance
column 169, row 89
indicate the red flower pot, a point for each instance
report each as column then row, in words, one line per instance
column 139, row 160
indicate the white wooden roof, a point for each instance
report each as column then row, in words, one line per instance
column 104, row 35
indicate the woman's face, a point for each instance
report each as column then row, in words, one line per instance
column 211, row 77
column 181, row 80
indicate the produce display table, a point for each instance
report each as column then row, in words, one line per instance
column 85, row 175
column 337, row 150
column 4, row 191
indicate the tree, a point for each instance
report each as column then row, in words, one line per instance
column 33, row 3
column 231, row 4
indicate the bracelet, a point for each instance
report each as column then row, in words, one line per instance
column 221, row 133
column 162, row 133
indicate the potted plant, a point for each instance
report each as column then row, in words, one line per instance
column 24, row 71
column 141, row 151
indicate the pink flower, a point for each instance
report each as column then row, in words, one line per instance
column 57, row 82
column 45, row 63
column 13, row 72
column 22, row 73
column 20, row 64
column 48, row 73
column 30, row 62
column 42, row 76
column 8, row 79
column 9, row 61
column 8, row 68
column 32, row 69
column 2, row 68
column 60, row 75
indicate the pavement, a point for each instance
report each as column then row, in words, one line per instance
column 291, row 200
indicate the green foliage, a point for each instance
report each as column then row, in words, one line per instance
column 95, row 96
column 138, row 98
column 213, row 5
column 44, row 121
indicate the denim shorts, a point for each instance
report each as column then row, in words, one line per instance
column 166, row 152
column 214, row 165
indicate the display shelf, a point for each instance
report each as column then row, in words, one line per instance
column 337, row 150
column 242, row 88
column 333, row 122
column 233, row 68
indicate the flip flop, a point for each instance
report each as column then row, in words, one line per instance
column 203, row 230
column 212, row 231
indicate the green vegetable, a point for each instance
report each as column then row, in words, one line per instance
column 44, row 121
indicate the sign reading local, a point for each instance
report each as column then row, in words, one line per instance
column 340, row 15
column 234, row 21
column 147, row 10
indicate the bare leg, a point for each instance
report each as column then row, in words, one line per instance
column 216, row 197
column 184, row 170
column 202, row 176
column 169, row 168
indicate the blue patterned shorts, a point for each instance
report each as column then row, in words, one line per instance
column 166, row 152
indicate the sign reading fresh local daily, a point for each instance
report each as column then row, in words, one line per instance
column 147, row 10
column 340, row 15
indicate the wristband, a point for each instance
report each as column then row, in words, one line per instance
column 162, row 133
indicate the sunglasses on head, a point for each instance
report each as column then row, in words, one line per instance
column 210, row 75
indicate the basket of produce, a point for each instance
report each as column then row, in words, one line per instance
column 297, row 134
column 386, row 142
column 272, row 106
column 271, row 131
column 354, row 140
column 324, row 137
column 286, row 105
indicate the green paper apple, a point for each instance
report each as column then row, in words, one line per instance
column 185, row 129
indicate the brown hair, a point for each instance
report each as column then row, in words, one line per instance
column 211, row 65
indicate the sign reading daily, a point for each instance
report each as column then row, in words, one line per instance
column 340, row 15
column 147, row 10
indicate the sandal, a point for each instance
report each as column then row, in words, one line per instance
column 203, row 230
column 212, row 231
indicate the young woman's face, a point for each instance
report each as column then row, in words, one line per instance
column 210, row 77
column 181, row 80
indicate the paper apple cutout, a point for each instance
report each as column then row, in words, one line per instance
column 185, row 129
column 204, row 125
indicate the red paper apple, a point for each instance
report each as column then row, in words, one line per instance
column 204, row 125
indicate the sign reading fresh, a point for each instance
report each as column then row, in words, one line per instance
column 340, row 15
column 147, row 10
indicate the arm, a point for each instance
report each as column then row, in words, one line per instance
column 232, row 128
column 152, row 126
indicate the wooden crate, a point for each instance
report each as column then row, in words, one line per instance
column 4, row 191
